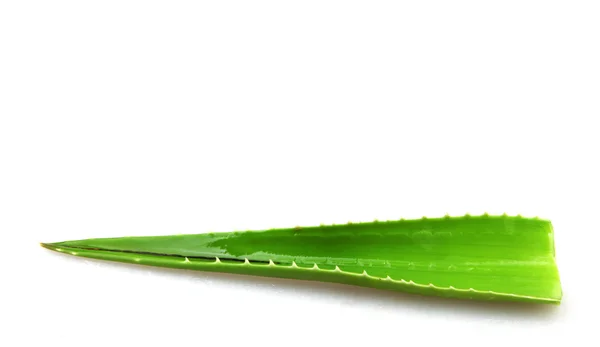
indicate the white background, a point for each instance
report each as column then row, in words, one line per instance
column 163, row 117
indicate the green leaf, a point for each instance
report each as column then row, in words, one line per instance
column 472, row 257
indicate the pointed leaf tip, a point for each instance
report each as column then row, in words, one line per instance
column 57, row 247
column 49, row 246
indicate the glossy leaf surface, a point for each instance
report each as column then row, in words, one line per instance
column 483, row 257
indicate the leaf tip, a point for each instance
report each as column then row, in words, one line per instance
column 51, row 246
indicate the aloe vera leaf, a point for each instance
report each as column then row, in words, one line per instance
column 483, row 257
